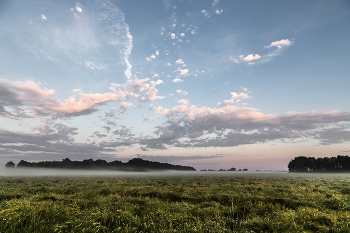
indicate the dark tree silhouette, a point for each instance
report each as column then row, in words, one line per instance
column 10, row 165
column 136, row 164
column 341, row 163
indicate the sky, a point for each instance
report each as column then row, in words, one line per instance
column 209, row 84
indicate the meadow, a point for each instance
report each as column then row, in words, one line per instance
column 201, row 202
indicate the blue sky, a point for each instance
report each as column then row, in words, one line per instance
column 210, row 84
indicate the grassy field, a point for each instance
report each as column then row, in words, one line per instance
column 227, row 202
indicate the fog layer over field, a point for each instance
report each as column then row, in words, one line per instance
column 86, row 173
column 71, row 172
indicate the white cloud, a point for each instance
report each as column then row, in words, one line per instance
column 280, row 44
column 127, row 52
column 278, row 48
column 205, row 13
column 155, row 83
column 180, row 62
column 182, row 34
column 183, row 101
column 78, row 8
column 151, row 95
column 184, row 72
column 236, row 97
column 43, row 17
column 173, row 36
column 177, row 80
column 250, row 57
column 218, row 12
column 181, row 92
column 215, row 2
column 153, row 56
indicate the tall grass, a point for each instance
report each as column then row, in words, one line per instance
column 222, row 203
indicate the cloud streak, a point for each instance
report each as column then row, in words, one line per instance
column 191, row 126
column 28, row 99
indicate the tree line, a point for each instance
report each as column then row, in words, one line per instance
column 341, row 163
column 135, row 164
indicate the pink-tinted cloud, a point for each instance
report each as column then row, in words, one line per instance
column 36, row 101
column 192, row 126
column 124, row 105
column 82, row 102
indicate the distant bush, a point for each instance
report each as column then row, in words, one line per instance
column 10, row 165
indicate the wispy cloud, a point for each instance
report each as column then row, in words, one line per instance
column 92, row 66
column 205, row 13
column 181, row 92
column 115, row 16
column 277, row 48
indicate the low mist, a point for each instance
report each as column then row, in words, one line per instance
column 71, row 172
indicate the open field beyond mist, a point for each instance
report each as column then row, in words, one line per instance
column 200, row 202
